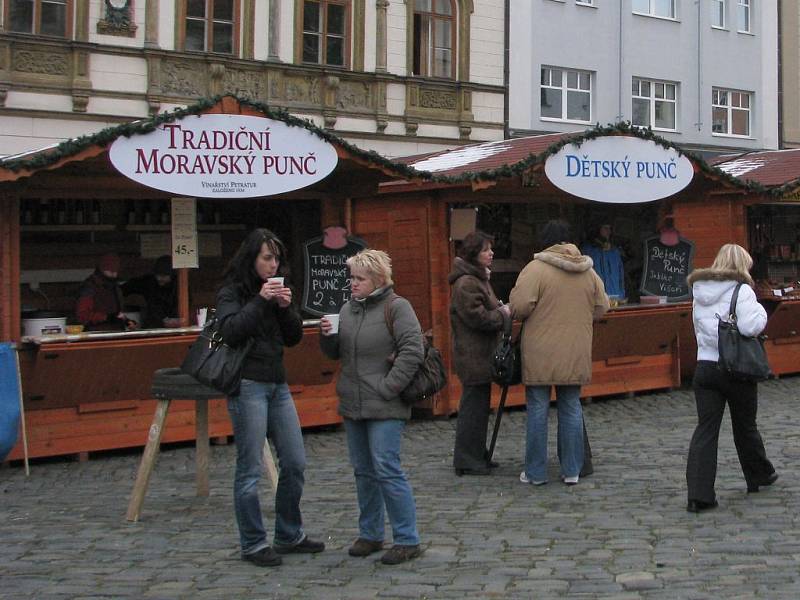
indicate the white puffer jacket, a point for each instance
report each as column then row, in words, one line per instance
column 712, row 291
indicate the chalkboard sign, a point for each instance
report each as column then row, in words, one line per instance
column 666, row 268
column 327, row 282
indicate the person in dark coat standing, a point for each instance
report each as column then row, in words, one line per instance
column 160, row 292
column 250, row 304
column 99, row 305
column 476, row 323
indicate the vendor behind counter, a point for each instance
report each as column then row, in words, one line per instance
column 99, row 305
column 160, row 292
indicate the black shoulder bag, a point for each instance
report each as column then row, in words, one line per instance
column 507, row 359
column 431, row 377
column 740, row 356
column 214, row 363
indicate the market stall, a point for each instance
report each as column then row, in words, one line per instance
column 189, row 185
column 645, row 211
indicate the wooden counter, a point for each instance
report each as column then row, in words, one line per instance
column 91, row 395
column 783, row 336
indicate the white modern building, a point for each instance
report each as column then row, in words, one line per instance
column 395, row 76
column 701, row 73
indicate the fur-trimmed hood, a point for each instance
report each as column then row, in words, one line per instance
column 566, row 257
column 717, row 275
column 462, row 267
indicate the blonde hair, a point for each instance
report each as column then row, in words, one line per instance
column 732, row 257
column 376, row 263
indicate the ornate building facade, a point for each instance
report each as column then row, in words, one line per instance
column 395, row 76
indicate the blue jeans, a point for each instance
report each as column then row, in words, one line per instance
column 374, row 447
column 261, row 410
column 570, row 430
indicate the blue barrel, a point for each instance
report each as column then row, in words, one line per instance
column 9, row 399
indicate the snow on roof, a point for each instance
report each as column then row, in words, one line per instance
column 11, row 157
column 739, row 167
column 461, row 157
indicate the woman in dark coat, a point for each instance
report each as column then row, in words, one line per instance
column 476, row 321
column 251, row 304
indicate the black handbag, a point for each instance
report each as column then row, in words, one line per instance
column 214, row 363
column 740, row 356
column 431, row 377
column 507, row 359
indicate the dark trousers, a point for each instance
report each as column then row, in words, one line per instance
column 473, row 419
column 712, row 389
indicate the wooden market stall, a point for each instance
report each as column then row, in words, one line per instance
column 64, row 206
column 646, row 341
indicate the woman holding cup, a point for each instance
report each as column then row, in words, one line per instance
column 254, row 303
column 369, row 387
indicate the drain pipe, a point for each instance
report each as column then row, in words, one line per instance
column 506, row 65
column 699, row 123
column 780, row 75
column 620, row 90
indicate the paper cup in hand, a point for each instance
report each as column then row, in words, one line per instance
column 275, row 280
column 334, row 321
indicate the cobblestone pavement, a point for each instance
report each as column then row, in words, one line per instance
column 621, row 533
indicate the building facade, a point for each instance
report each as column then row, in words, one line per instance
column 790, row 74
column 395, row 76
column 703, row 74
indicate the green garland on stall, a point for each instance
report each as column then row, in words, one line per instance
column 597, row 131
column 108, row 135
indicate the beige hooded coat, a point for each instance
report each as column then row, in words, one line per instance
column 557, row 296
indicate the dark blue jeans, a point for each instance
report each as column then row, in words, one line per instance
column 261, row 410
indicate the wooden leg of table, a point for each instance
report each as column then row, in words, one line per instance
column 269, row 465
column 202, row 446
column 148, row 460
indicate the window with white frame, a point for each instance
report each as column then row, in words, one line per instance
column 566, row 95
column 744, row 15
column 585, row 2
column 718, row 14
column 730, row 112
column 654, row 104
column 654, row 8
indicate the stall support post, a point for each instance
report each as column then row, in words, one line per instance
column 183, row 297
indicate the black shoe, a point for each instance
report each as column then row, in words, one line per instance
column 480, row 471
column 400, row 553
column 492, row 464
column 697, row 506
column 304, row 546
column 266, row 557
column 752, row 488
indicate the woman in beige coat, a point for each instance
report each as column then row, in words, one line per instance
column 557, row 296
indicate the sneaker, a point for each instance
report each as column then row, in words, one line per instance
column 400, row 553
column 304, row 546
column 362, row 547
column 524, row 479
column 266, row 557
column 570, row 480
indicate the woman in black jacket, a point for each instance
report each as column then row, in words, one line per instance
column 252, row 304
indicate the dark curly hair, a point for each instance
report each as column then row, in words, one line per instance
column 473, row 244
column 555, row 232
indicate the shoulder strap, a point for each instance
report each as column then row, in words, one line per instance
column 387, row 313
column 734, row 298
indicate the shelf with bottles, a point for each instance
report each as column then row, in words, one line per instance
column 200, row 227
column 59, row 215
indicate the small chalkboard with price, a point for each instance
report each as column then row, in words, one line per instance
column 327, row 282
column 666, row 268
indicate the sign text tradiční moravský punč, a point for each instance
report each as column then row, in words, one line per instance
column 213, row 156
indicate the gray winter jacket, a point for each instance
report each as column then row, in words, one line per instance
column 369, row 385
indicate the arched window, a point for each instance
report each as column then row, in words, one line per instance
column 326, row 32
column 212, row 26
column 42, row 17
column 434, row 39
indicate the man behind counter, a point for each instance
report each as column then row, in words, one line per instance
column 160, row 293
column 99, row 305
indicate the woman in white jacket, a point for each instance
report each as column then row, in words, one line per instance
column 712, row 290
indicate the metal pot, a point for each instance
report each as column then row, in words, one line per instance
column 43, row 322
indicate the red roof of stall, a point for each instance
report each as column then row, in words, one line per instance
column 773, row 168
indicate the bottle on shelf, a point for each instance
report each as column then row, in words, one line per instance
column 44, row 212
column 163, row 213
column 95, row 212
column 61, row 212
column 77, row 215
column 131, row 210
column 27, row 212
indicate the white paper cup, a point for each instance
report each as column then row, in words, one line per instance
column 275, row 280
column 334, row 321
column 202, row 314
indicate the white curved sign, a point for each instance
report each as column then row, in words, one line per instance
column 619, row 170
column 224, row 156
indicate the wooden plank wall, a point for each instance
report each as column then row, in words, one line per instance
column 710, row 223
column 9, row 268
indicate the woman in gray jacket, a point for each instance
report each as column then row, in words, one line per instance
column 369, row 389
